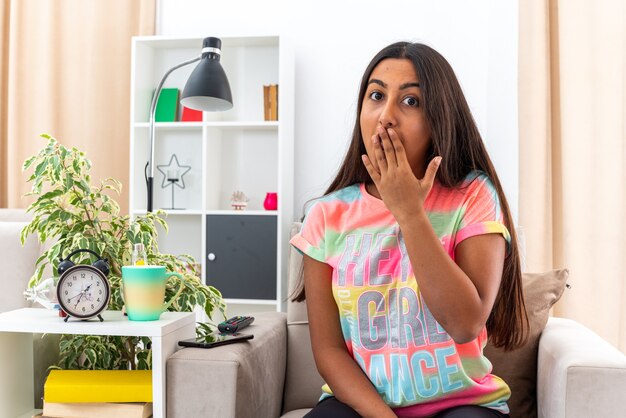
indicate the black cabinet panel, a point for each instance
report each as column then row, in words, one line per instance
column 241, row 255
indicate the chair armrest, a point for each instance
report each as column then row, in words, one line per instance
column 579, row 374
column 238, row 380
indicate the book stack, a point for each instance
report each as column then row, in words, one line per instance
column 167, row 106
column 98, row 394
column 270, row 102
column 191, row 115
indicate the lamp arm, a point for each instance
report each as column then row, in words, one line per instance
column 155, row 99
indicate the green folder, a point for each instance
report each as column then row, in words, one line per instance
column 167, row 106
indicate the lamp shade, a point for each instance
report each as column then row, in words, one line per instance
column 207, row 87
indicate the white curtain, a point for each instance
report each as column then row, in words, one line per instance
column 66, row 64
column 572, row 90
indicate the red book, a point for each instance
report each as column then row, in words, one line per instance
column 190, row 115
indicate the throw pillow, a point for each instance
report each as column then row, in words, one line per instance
column 518, row 368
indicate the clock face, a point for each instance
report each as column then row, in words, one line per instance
column 83, row 291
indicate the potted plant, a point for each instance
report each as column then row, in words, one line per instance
column 74, row 214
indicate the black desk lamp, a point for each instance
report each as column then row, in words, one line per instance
column 207, row 89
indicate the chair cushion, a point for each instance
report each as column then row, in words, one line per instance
column 15, row 215
column 17, row 263
column 302, row 382
column 296, row 311
column 519, row 367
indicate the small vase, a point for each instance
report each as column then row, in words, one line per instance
column 271, row 201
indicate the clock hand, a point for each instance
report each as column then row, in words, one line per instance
column 78, row 301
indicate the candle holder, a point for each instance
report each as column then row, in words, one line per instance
column 173, row 176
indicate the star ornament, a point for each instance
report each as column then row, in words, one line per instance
column 173, row 166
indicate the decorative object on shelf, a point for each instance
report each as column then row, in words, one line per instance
column 83, row 290
column 271, row 201
column 97, row 409
column 239, row 200
column 191, row 115
column 206, row 89
column 72, row 213
column 144, row 291
column 167, row 106
column 270, row 102
column 172, row 175
column 139, row 257
column 45, row 294
column 98, row 386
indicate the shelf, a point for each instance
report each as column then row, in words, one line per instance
column 241, row 125
column 260, row 125
column 31, row 414
column 171, row 212
column 212, row 212
column 242, row 212
column 166, row 42
column 38, row 320
column 250, row 301
column 170, row 125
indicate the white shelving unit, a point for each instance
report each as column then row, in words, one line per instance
column 227, row 151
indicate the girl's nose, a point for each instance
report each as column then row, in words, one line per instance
column 387, row 117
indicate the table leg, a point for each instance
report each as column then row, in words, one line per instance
column 162, row 348
column 16, row 369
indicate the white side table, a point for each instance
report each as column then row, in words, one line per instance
column 16, row 349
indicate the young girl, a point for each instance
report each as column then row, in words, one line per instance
column 410, row 257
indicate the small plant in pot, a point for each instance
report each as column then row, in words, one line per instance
column 72, row 213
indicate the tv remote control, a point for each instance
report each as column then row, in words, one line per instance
column 234, row 324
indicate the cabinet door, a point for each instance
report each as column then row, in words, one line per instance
column 241, row 255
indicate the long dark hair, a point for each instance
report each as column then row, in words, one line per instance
column 455, row 137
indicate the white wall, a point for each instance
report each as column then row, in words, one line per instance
column 335, row 40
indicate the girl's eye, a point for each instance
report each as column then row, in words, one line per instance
column 411, row 101
column 376, row 95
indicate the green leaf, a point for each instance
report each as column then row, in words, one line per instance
column 69, row 182
column 50, row 195
column 201, row 299
column 41, row 167
column 90, row 354
column 84, row 186
column 106, row 358
column 56, row 168
column 28, row 162
column 71, row 360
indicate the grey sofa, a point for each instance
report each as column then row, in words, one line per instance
column 580, row 375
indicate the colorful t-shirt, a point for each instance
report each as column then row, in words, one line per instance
column 411, row 360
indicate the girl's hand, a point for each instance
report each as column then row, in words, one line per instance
column 402, row 192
